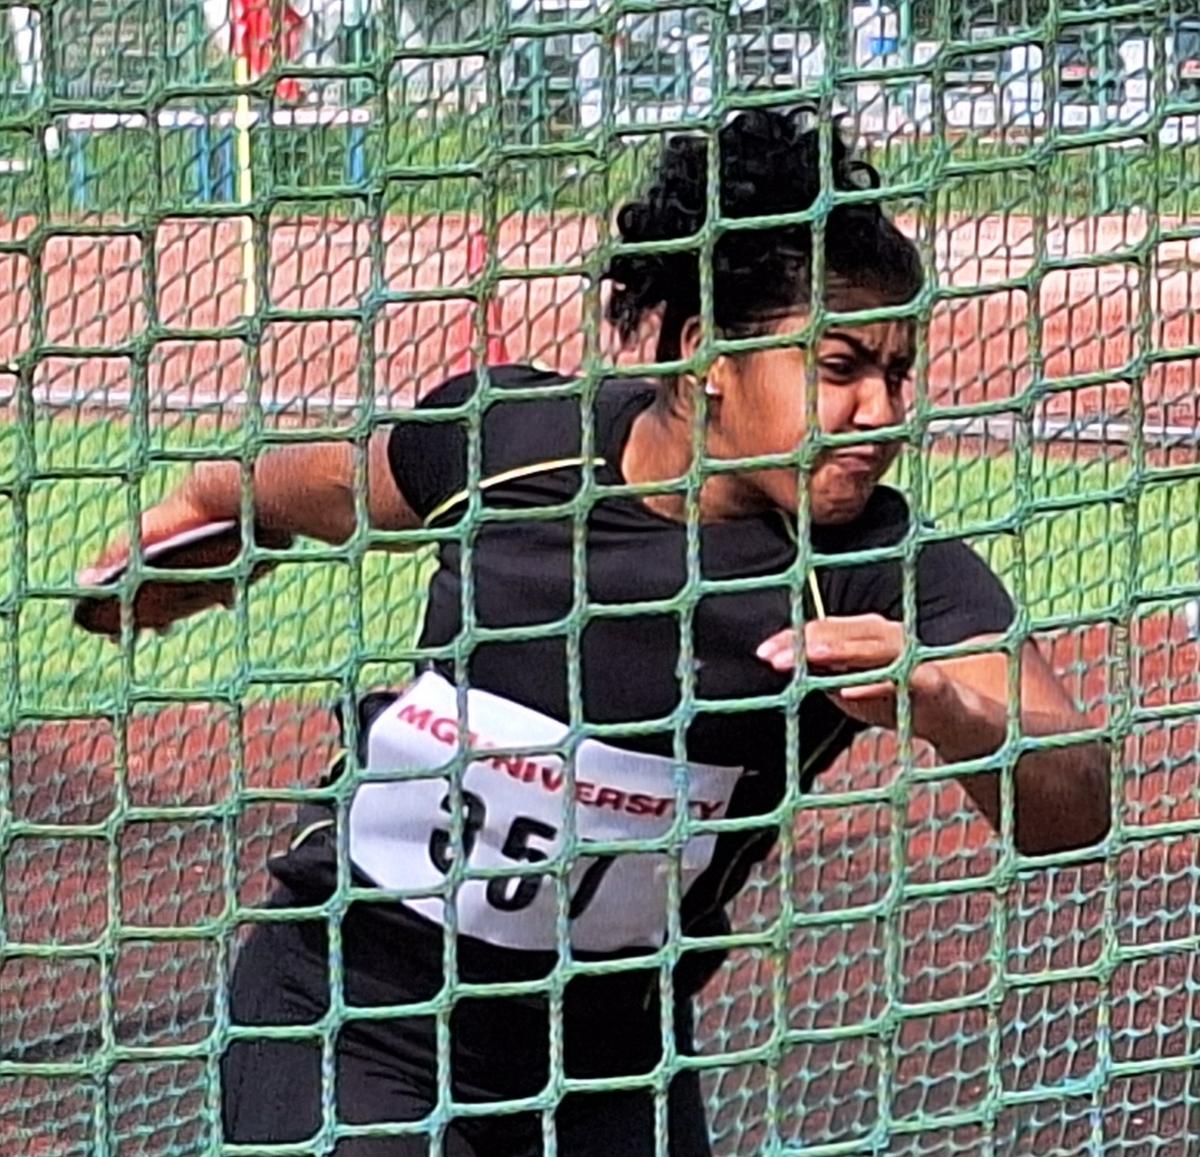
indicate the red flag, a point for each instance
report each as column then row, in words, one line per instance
column 256, row 40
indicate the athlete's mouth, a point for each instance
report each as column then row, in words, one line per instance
column 859, row 460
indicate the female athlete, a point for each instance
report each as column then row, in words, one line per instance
column 514, row 679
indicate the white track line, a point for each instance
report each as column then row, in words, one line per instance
column 1000, row 427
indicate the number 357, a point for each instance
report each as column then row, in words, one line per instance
column 512, row 893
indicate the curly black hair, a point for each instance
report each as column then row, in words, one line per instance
column 770, row 164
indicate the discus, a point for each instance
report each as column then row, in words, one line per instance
column 158, row 603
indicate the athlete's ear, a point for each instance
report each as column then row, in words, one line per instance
column 689, row 342
column 713, row 380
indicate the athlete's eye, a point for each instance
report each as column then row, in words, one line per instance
column 839, row 369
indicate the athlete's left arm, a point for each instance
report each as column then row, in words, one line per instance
column 1063, row 797
column 960, row 706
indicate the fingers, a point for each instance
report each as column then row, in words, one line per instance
column 864, row 643
column 779, row 650
column 172, row 516
column 849, row 643
column 865, row 692
column 114, row 556
column 855, row 643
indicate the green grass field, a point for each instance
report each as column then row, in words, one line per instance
column 1070, row 540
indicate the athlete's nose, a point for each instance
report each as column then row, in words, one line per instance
column 874, row 408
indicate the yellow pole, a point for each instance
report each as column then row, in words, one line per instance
column 245, row 185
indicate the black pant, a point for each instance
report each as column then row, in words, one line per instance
column 386, row 1070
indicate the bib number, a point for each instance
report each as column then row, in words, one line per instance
column 521, row 845
column 513, row 811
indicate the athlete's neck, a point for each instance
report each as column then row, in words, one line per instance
column 660, row 449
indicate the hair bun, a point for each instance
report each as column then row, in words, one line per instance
column 672, row 208
column 770, row 165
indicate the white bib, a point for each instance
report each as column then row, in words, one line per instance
column 514, row 808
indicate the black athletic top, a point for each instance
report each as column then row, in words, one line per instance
column 524, row 576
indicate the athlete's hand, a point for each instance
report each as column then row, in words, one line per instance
column 177, row 513
column 855, row 643
column 197, row 525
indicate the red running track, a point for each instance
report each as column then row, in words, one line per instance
column 839, row 974
column 1093, row 321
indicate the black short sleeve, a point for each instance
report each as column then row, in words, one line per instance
column 958, row 595
column 428, row 457
column 428, row 453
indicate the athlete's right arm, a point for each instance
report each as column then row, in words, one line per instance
column 302, row 490
column 307, row 490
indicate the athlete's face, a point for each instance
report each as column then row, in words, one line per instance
column 757, row 405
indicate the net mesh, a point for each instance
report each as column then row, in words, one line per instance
column 197, row 261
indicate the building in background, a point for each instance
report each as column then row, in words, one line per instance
column 914, row 66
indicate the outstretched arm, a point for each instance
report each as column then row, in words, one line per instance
column 306, row 490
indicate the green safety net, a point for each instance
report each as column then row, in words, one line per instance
column 193, row 266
